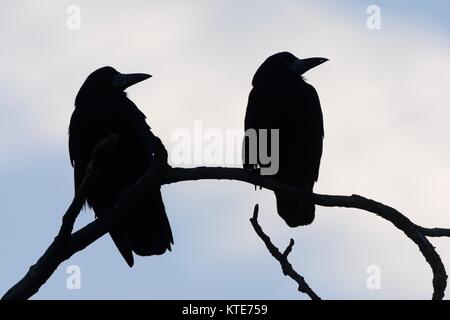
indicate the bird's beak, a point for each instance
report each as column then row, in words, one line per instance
column 300, row 66
column 123, row 81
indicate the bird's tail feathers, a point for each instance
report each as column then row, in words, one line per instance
column 146, row 231
column 122, row 242
column 295, row 213
column 149, row 230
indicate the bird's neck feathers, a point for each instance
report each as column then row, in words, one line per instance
column 270, row 82
column 90, row 99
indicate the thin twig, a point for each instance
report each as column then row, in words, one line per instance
column 282, row 258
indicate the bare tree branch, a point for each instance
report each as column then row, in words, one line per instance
column 105, row 149
column 415, row 233
column 64, row 243
column 282, row 258
column 434, row 232
column 63, row 247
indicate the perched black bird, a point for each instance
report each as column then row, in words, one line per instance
column 281, row 99
column 101, row 109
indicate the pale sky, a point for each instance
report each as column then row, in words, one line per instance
column 384, row 96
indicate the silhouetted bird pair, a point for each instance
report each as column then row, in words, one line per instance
column 280, row 99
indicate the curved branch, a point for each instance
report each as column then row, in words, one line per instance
column 59, row 250
column 416, row 233
column 155, row 176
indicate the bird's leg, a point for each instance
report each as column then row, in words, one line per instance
column 254, row 170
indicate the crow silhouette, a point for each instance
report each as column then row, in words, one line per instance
column 101, row 109
column 281, row 99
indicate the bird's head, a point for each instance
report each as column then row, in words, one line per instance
column 284, row 66
column 107, row 81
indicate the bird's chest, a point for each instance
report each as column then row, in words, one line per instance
column 99, row 124
column 284, row 110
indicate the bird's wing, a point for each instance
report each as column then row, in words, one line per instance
column 73, row 138
column 135, row 124
column 78, row 164
column 252, row 121
column 316, row 130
